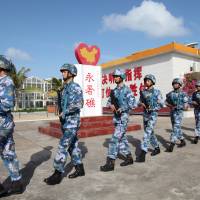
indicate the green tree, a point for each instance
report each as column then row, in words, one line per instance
column 18, row 79
column 56, row 84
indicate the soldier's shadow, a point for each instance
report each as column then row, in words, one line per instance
column 187, row 137
column 133, row 141
column 165, row 143
column 69, row 166
column 187, row 129
column 28, row 171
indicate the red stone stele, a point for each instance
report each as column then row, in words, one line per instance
column 86, row 54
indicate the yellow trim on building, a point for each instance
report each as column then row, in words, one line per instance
column 172, row 47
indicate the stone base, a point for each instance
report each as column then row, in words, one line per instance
column 90, row 126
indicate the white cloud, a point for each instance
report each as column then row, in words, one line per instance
column 17, row 54
column 150, row 17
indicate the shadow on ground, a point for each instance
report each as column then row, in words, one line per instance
column 35, row 160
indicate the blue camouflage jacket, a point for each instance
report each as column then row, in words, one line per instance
column 152, row 99
column 196, row 98
column 125, row 98
column 177, row 98
column 72, row 99
column 7, row 102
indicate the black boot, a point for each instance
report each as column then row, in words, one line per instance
column 16, row 188
column 182, row 144
column 141, row 157
column 196, row 139
column 128, row 160
column 170, row 148
column 54, row 179
column 79, row 171
column 109, row 166
column 3, row 191
column 155, row 151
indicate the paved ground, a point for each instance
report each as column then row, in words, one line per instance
column 167, row 176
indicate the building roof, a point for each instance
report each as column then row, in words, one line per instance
column 172, row 47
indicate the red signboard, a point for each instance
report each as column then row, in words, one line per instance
column 87, row 55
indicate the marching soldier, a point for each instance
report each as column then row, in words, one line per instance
column 196, row 104
column 71, row 103
column 177, row 101
column 151, row 100
column 7, row 145
column 121, row 101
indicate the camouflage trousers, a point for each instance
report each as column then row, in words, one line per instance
column 176, row 120
column 119, row 142
column 197, row 120
column 8, row 155
column 68, row 145
column 149, row 122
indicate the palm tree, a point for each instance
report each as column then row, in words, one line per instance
column 18, row 79
column 56, row 84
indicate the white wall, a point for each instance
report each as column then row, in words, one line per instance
column 161, row 66
column 182, row 64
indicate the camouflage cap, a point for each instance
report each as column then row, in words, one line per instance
column 69, row 67
column 177, row 80
column 150, row 77
column 6, row 64
column 119, row 72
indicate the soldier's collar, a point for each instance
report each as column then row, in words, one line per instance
column 2, row 77
column 150, row 89
column 121, row 86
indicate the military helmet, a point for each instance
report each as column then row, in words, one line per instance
column 177, row 80
column 6, row 64
column 119, row 72
column 197, row 83
column 150, row 77
column 69, row 67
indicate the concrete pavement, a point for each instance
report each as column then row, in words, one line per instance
column 168, row 176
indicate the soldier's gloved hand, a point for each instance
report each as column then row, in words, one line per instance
column 113, row 108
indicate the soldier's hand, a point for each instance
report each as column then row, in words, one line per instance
column 119, row 110
column 60, row 115
column 113, row 108
column 195, row 103
column 143, row 105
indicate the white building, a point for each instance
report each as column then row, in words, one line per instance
column 165, row 62
column 34, row 93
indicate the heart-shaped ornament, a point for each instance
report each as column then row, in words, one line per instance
column 86, row 54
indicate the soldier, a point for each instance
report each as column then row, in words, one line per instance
column 151, row 100
column 71, row 103
column 196, row 104
column 121, row 101
column 7, row 145
column 177, row 101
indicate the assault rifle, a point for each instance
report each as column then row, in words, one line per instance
column 115, row 102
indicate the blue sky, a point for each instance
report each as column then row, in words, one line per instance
column 42, row 34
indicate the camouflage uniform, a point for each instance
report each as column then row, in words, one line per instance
column 7, row 145
column 196, row 98
column 71, row 102
column 153, row 101
column 178, row 99
column 122, row 99
column 119, row 142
